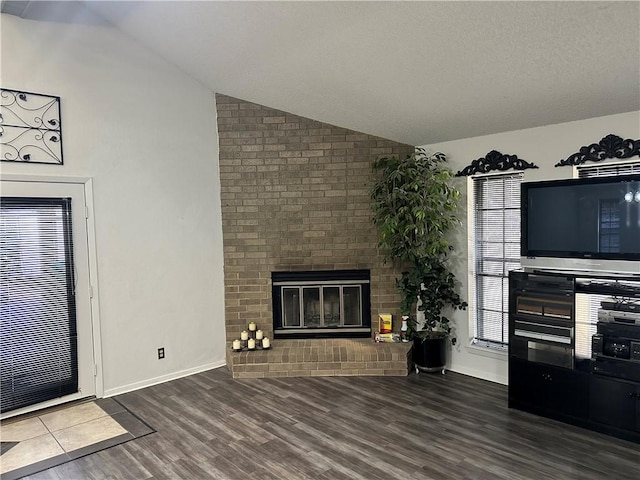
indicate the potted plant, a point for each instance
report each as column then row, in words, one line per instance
column 414, row 207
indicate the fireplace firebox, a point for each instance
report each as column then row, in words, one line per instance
column 321, row 303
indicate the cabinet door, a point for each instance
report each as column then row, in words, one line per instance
column 526, row 384
column 615, row 403
column 553, row 390
column 568, row 392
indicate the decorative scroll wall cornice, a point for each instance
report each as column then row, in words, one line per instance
column 495, row 160
column 30, row 127
column 611, row 146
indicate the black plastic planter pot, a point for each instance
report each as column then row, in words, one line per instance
column 429, row 354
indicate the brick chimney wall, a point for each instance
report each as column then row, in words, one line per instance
column 295, row 197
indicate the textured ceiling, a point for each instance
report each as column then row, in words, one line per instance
column 416, row 72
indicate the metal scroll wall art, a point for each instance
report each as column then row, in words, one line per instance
column 495, row 160
column 30, row 128
column 611, row 146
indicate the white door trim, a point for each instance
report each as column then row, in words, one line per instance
column 94, row 302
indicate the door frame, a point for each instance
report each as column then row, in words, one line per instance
column 94, row 300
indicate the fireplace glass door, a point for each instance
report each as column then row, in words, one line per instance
column 321, row 306
column 311, row 307
column 291, row 307
column 331, row 306
column 325, row 306
column 352, row 305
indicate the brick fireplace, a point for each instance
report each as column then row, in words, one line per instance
column 295, row 198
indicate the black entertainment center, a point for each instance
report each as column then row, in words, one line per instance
column 574, row 335
column 549, row 376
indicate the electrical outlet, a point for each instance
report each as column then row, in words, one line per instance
column 160, row 353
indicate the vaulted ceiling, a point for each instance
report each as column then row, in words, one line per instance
column 416, row 72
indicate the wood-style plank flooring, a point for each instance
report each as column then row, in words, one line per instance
column 426, row 426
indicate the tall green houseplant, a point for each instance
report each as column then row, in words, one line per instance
column 414, row 207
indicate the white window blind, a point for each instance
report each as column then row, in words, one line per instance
column 608, row 170
column 496, row 252
column 38, row 339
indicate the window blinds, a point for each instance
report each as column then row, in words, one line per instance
column 38, row 340
column 608, row 170
column 496, row 252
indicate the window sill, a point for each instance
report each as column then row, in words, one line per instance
column 485, row 351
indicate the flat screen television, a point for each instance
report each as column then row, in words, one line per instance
column 590, row 224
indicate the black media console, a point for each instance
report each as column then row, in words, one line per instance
column 574, row 349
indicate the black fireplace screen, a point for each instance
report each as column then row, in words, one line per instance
column 327, row 303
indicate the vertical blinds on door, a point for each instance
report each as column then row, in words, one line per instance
column 38, row 338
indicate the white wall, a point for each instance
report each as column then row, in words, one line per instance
column 146, row 134
column 544, row 146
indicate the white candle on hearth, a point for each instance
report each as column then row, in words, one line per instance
column 236, row 345
column 259, row 335
column 251, row 344
column 252, row 327
column 244, row 335
column 265, row 342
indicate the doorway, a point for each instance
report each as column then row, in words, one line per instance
column 47, row 344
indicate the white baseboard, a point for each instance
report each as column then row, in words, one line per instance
column 164, row 378
column 483, row 375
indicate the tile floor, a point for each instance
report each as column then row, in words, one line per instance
column 42, row 440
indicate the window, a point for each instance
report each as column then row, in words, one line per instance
column 608, row 170
column 496, row 247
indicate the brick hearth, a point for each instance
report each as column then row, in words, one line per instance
column 321, row 357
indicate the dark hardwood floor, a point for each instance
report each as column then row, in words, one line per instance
column 417, row 427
